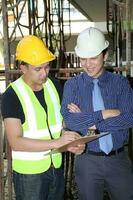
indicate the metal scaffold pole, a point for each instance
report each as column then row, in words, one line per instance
column 119, row 28
column 6, row 49
column 1, row 162
column 128, row 34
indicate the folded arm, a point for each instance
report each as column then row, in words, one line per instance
column 106, row 120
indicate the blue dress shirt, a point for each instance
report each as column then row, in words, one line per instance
column 116, row 93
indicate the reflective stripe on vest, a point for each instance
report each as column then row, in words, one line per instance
column 35, row 127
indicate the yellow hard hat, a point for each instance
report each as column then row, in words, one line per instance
column 32, row 50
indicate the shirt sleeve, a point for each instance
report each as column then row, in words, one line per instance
column 125, row 105
column 10, row 105
column 79, row 122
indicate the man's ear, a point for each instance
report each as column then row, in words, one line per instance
column 106, row 56
column 23, row 68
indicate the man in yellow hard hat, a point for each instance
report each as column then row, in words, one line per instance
column 33, row 123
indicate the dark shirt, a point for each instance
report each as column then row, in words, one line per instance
column 116, row 93
column 11, row 106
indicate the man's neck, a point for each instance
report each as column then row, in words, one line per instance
column 34, row 86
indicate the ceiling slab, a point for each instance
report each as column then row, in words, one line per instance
column 94, row 10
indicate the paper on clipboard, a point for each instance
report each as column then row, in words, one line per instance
column 78, row 141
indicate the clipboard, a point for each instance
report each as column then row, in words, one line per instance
column 79, row 141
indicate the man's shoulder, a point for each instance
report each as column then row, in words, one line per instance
column 117, row 81
column 75, row 79
column 8, row 94
column 55, row 81
column 117, row 77
column 8, row 91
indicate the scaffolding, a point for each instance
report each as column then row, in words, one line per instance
column 24, row 17
column 44, row 18
column 118, row 14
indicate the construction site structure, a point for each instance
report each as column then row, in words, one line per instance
column 24, row 17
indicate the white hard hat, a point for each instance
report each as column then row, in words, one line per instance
column 90, row 43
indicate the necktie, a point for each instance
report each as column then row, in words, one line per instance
column 105, row 142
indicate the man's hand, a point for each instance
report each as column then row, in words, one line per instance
column 110, row 113
column 79, row 149
column 73, row 108
column 67, row 137
column 92, row 127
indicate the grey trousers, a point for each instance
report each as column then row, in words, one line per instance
column 94, row 174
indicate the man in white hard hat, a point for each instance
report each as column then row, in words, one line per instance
column 103, row 101
column 33, row 124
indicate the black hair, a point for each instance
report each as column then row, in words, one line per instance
column 23, row 63
column 105, row 51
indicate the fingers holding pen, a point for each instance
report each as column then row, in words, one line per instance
column 68, row 136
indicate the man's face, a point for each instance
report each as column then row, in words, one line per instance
column 35, row 76
column 94, row 66
column 39, row 73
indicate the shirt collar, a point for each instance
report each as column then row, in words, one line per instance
column 102, row 78
column 87, row 78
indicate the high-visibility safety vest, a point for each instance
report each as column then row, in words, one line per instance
column 36, row 127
